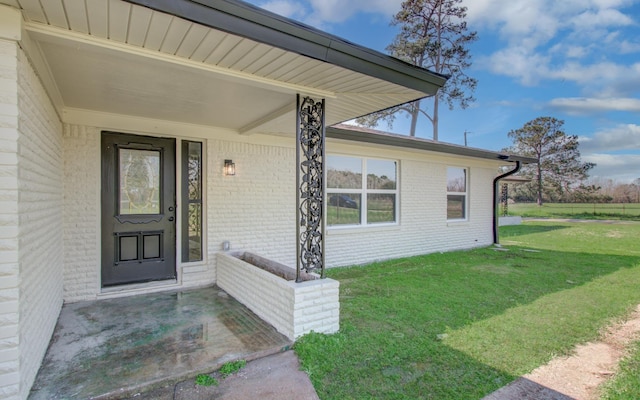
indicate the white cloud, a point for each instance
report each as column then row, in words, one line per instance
column 620, row 137
column 627, row 47
column 583, row 105
column 603, row 17
column 340, row 10
column 545, row 38
column 319, row 13
column 286, row 8
column 518, row 63
column 620, row 168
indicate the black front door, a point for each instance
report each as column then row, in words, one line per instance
column 138, row 209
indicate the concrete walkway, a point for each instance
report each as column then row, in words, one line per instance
column 118, row 348
column 275, row 377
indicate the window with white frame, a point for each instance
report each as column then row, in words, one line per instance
column 457, row 184
column 361, row 191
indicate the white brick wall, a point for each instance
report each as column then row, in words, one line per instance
column 40, row 210
column 9, row 228
column 255, row 209
column 423, row 226
column 294, row 309
column 81, row 233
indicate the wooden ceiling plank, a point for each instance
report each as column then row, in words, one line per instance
column 192, row 40
column 210, row 41
column 236, row 54
column 139, row 25
column 54, row 10
column 274, row 65
column 265, row 59
column 259, row 51
column 119, row 19
column 76, row 11
column 175, row 35
column 157, row 30
column 223, row 48
column 33, row 11
column 98, row 18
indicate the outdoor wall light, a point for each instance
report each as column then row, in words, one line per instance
column 229, row 167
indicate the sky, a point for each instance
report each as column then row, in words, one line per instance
column 575, row 60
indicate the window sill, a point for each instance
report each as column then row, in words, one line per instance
column 457, row 222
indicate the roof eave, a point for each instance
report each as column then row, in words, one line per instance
column 242, row 19
column 408, row 142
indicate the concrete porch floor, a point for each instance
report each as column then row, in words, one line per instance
column 116, row 348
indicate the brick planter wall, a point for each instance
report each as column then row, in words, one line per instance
column 294, row 309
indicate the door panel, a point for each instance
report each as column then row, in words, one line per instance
column 138, row 209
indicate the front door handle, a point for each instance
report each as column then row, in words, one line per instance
column 171, row 208
column 171, row 219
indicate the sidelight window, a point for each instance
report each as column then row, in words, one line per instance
column 191, row 201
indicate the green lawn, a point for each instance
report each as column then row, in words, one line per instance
column 626, row 384
column 460, row 325
column 579, row 211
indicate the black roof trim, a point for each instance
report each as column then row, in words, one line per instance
column 357, row 134
column 243, row 19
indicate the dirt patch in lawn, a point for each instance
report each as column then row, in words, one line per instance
column 580, row 375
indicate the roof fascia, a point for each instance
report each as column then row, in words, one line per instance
column 409, row 142
column 245, row 20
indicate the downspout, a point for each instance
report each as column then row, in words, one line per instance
column 495, row 199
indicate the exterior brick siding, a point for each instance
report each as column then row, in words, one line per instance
column 31, row 248
column 9, row 226
column 81, row 146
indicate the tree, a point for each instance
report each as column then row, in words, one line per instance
column 558, row 167
column 433, row 35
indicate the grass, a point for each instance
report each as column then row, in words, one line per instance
column 232, row 367
column 227, row 369
column 460, row 325
column 206, row 380
column 626, row 384
column 578, row 211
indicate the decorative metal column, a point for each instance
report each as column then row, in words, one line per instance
column 505, row 199
column 310, row 181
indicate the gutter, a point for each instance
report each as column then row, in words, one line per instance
column 495, row 199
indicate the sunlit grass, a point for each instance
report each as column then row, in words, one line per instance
column 628, row 211
column 460, row 325
column 626, row 383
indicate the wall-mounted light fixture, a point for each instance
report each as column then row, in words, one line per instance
column 229, row 167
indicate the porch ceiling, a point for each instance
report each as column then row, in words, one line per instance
column 116, row 57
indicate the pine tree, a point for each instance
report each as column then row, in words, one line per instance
column 433, row 35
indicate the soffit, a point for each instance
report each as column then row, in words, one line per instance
column 116, row 57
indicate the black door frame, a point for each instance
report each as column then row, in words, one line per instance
column 137, row 227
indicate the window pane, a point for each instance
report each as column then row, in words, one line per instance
column 456, row 206
column 381, row 174
column 381, row 208
column 195, row 232
column 343, row 209
column 456, row 179
column 192, row 201
column 195, row 170
column 344, row 172
column 139, row 181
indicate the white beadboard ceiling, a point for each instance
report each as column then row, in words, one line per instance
column 114, row 57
